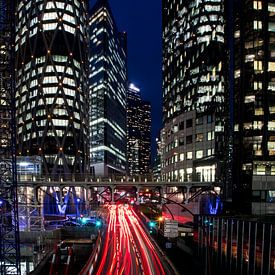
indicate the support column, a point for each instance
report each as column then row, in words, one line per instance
column 137, row 194
column 187, row 194
column 161, row 193
column 28, row 204
column 112, row 194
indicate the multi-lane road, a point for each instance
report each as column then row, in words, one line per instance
column 127, row 247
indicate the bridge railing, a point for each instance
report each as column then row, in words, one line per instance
column 85, row 178
column 91, row 178
column 241, row 245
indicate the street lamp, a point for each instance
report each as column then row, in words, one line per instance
column 160, row 220
column 77, row 208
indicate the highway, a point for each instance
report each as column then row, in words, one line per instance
column 127, row 248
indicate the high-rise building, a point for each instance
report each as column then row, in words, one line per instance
column 108, row 85
column 52, row 86
column 193, row 90
column 254, row 106
column 157, row 161
column 138, row 132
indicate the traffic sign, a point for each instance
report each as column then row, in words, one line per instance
column 171, row 229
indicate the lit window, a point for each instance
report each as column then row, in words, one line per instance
column 258, row 25
column 257, row 5
column 189, row 155
column 199, row 154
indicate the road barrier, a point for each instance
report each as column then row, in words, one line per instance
column 54, row 260
column 69, row 261
column 90, row 265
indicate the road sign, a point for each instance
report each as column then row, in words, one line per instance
column 171, row 229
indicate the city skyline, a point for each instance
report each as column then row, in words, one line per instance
column 78, row 79
column 143, row 27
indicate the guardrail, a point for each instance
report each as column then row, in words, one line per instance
column 90, row 265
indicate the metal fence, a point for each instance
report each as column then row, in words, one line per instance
column 227, row 245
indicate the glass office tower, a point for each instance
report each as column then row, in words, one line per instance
column 52, row 87
column 192, row 137
column 108, row 85
column 138, row 132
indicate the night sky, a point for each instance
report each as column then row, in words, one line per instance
column 141, row 19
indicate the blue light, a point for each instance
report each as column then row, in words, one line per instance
column 98, row 223
column 78, row 199
column 152, row 224
column 83, row 220
column 1, row 202
column 214, row 210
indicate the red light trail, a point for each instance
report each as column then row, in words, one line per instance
column 127, row 248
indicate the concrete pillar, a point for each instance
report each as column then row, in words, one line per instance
column 161, row 193
column 187, row 194
column 137, row 194
column 28, row 202
column 35, row 195
column 112, row 194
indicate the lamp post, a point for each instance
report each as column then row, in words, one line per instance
column 77, row 208
column 160, row 220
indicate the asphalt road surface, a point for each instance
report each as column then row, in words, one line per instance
column 127, row 249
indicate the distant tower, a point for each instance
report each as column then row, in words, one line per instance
column 52, row 87
column 107, row 80
column 138, row 132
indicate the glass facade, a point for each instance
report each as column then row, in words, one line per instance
column 52, row 86
column 254, row 116
column 193, row 90
column 138, row 133
column 107, row 84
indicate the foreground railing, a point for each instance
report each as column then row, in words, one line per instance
column 235, row 245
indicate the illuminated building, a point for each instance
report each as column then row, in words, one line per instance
column 254, row 116
column 107, row 87
column 157, row 161
column 52, row 90
column 138, row 132
column 193, row 91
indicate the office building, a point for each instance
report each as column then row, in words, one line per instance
column 107, row 88
column 254, row 106
column 157, row 161
column 138, row 132
column 51, row 79
column 193, row 91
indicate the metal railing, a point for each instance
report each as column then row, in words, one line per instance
column 231, row 245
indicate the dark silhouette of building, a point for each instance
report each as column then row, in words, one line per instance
column 9, row 221
column 138, row 132
column 52, row 90
column 254, row 106
column 108, row 85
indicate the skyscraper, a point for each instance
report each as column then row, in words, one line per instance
column 138, row 132
column 108, row 84
column 193, row 90
column 254, row 106
column 52, row 91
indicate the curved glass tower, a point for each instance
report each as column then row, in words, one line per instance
column 193, row 91
column 52, row 95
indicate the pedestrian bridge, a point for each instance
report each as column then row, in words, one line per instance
column 112, row 182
